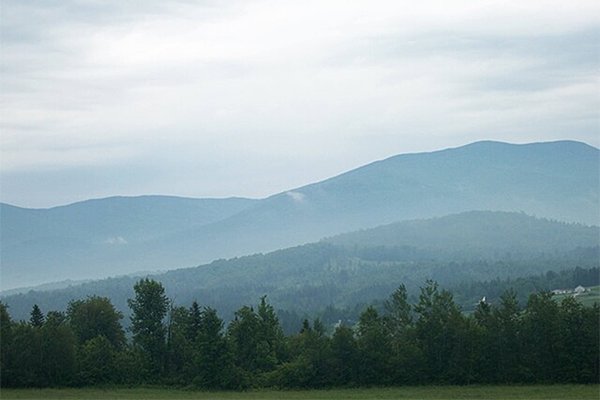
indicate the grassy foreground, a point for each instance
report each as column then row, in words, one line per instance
column 579, row 392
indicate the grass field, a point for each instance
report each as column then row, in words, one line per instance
column 590, row 297
column 587, row 299
column 580, row 392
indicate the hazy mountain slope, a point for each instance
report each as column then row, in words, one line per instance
column 312, row 276
column 73, row 241
column 477, row 232
column 135, row 218
column 557, row 180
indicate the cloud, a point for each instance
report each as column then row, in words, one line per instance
column 297, row 197
column 116, row 240
column 256, row 97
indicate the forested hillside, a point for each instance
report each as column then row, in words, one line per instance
column 557, row 180
column 308, row 278
column 475, row 233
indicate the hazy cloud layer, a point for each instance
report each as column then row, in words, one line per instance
column 254, row 97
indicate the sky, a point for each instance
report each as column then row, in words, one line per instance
column 251, row 98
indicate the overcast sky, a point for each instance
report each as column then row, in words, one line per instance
column 250, row 98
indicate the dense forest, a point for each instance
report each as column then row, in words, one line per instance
column 430, row 341
column 307, row 279
column 465, row 294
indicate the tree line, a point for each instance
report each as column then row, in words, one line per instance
column 429, row 342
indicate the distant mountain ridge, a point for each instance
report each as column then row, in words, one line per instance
column 557, row 180
column 139, row 217
column 40, row 245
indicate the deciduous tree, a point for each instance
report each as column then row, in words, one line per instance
column 149, row 308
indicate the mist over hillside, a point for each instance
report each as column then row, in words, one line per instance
column 486, row 234
column 341, row 273
column 91, row 239
column 106, row 237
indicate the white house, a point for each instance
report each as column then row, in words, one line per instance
column 579, row 289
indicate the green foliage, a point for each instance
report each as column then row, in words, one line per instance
column 37, row 317
column 179, row 347
column 310, row 364
column 406, row 357
column 96, row 316
column 242, row 334
column 58, row 350
column 149, row 308
column 374, row 347
column 541, row 325
column 96, row 362
column 499, row 339
column 345, row 356
column 436, row 329
column 430, row 342
column 257, row 340
column 398, row 312
column 6, row 342
column 40, row 355
column 510, row 249
column 213, row 359
column 24, row 357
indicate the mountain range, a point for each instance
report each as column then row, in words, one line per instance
column 117, row 236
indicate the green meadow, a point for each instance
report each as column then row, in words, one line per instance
column 588, row 298
column 580, row 392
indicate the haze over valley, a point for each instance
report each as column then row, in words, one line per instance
column 123, row 235
column 477, row 213
column 381, row 199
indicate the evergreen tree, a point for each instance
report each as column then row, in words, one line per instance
column 242, row 339
column 405, row 357
column 590, row 370
column 506, row 339
column 213, row 361
column 257, row 339
column 487, row 330
column 541, row 325
column 345, row 358
column 6, row 338
column 272, row 339
column 37, row 317
column 316, row 352
column 195, row 321
column 374, row 347
column 436, row 330
column 398, row 316
column 579, row 339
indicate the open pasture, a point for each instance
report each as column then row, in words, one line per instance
column 580, row 392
